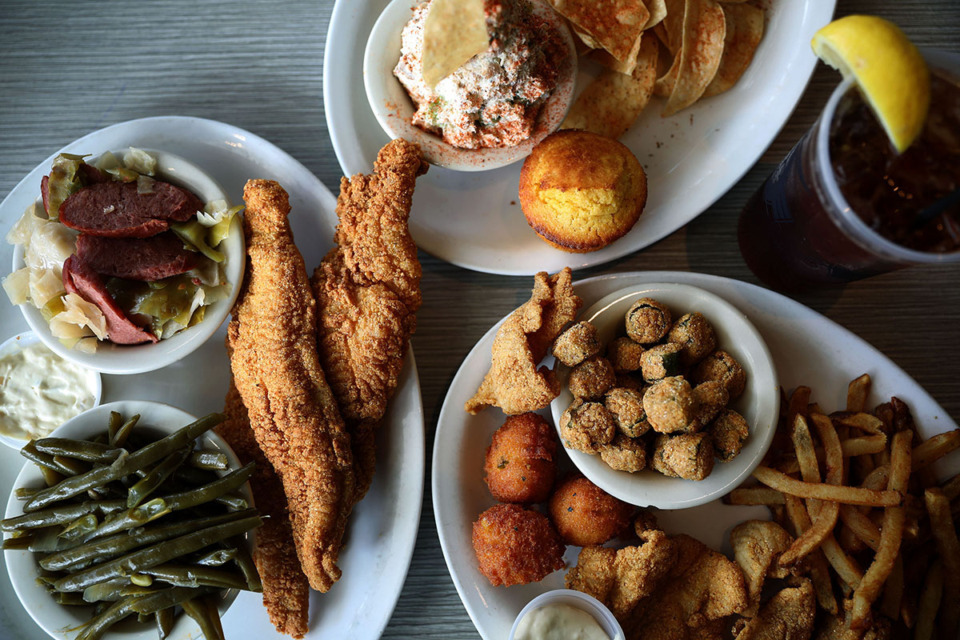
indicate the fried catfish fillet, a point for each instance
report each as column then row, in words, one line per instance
column 757, row 544
column 286, row 591
column 368, row 291
column 514, row 383
column 273, row 355
column 788, row 615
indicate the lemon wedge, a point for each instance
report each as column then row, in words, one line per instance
column 890, row 71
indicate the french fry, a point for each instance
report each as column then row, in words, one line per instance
column 857, row 392
column 891, row 534
column 893, row 591
column 853, row 447
column 817, row 561
column 877, row 479
column 864, row 422
column 951, row 488
column 845, row 495
column 799, row 400
column 932, row 449
column 860, row 525
column 930, row 599
column 945, row 535
column 754, row 496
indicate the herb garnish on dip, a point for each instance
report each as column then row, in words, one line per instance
column 492, row 100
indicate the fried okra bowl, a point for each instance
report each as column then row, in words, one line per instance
column 127, row 261
column 691, row 406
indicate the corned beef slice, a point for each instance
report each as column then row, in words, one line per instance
column 80, row 279
column 115, row 209
column 146, row 259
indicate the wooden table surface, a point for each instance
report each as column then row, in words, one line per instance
column 69, row 68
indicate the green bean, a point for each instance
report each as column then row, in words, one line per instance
column 164, row 618
column 207, row 493
column 123, row 465
column 114, row 546
column 112, row 615
column 216, row 558
column 246, row 564
column 106, row 591
column 50, row 477
column 206, row 615
column 18, row 543
column 116, row 420
column 24, row 493
column 80, row 527
column 154, row 555
column 213, row 460
column 136, row 517
column 74, row 467
column 123, row 431
column 193, row 576
column 167, row 598
column 80, row 449
column 43, row 460
column 156, row 476
column 59, row 514
column 69, row 599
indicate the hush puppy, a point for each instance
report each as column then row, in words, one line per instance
column 521, row 460
column 576, row 344
column 516, row 545
column 591, row 378
column 585, row 514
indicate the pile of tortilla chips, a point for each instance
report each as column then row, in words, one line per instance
column 681, row 50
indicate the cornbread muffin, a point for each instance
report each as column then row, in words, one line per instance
column 581, row 191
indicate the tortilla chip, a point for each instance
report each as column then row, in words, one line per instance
column 453, row 32
column 744, row 29
column 658, row 11
column 612, row 102
column 615, row 25
column 700, row 52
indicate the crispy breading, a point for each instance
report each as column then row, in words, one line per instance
column 788, row 615
column 368, row 291
column 756, row 546
column 514, row 383
column 272, row 339
column 640, row 569
column 286, row 591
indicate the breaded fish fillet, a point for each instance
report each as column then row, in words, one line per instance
column 368, row 291
column 286, row 592
column 514, row 383
column 272, row 339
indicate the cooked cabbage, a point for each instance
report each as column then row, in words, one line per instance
column 78, row 313
column 140, row 161
column 49, row 245
column 45, row 284
column 17, row 285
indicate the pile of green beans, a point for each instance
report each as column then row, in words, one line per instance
column 133, row 526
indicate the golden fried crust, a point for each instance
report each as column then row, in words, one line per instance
column 272, row 339
column 286, row 591
column 788, row 615
column 514, row 383
column 520, row 465
column 757, row 544
column 368, row 292
column 515, row 545
column 585, row 515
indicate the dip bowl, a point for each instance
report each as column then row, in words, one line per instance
column 394, row 108
column 759, row 404
column 64, row 622
column 140, row 358
column 22, row 341
column 578, row 600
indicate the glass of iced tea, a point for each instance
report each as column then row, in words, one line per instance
column 843, row 205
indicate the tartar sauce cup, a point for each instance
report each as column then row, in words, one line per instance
column 92, row 380
column 576, row 599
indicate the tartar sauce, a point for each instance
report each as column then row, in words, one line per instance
column 559, row 622
column 39, row 391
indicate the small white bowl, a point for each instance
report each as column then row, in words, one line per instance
column 394, row 109
column 62, row 622
column 130, row 359
column 577, row 599
column 22, row 341
column 759, row 404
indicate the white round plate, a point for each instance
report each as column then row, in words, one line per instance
column 807, row 348
column 383, row 528
column 759, row 404
column 691, row 159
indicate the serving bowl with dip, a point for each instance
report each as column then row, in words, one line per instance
column 39, row 390
column 139, row 358
column 565, row 613
column 66, row 622
column 394, row 109
column 759, row 404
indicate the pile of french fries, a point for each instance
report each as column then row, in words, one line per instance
column 872, row 523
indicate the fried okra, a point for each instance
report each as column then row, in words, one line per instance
column 586, row 515
column 626, row 406
column 591, row 378
column 729, row 432
column 721, row 367
column 516, row 545
column 695, row 334
column 624, row 354
column 661, row 361
column 688, row 456
column 625, row 454
column 671, row 406
column 711, row 397
column 647, row 321
column 521, row 465
column 586, row 426
column 576, row 344
column 629, row 381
